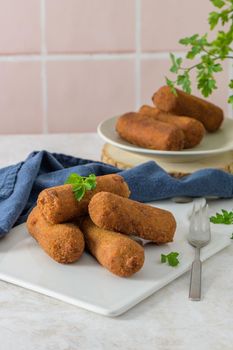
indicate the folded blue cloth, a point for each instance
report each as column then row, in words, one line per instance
column 20, row 184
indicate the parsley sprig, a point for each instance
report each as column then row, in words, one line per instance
column 226, row 217
column 81, row 184
column 171, row 258
column 210, row 53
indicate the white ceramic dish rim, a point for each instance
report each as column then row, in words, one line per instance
column 185, row 153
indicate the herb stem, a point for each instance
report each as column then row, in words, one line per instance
column 188, row 69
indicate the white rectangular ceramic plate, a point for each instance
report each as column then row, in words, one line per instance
column 88, row 285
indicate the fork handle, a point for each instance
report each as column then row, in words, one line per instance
column 195, row 280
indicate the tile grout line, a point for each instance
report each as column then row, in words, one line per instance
column 85, row 57
column 44, row 95
column 43, row 59
column 137, row 54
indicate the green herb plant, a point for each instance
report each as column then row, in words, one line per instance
column 171, row 258
column 210, row 53
column 81, row 184
column 226, row 217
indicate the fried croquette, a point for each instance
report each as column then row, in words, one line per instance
column 112, row 212
column 147, row 132
column 210, row 115
column 62, row 242
column 116, row 252
column 193, row 130
column 58, row 204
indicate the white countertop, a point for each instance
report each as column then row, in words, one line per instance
column 165, row 321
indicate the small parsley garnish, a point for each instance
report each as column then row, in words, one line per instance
column 171, row 258
column 231, row 236
column 81, row 184
column 225, row 218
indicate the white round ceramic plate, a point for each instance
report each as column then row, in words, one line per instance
column 212, row 144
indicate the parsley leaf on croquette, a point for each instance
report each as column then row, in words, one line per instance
column 81, row 184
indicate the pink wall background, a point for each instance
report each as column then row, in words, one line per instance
column 65, row 65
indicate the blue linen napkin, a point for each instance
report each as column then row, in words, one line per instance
column 20, row 184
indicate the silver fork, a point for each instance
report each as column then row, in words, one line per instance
column 199, row 236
